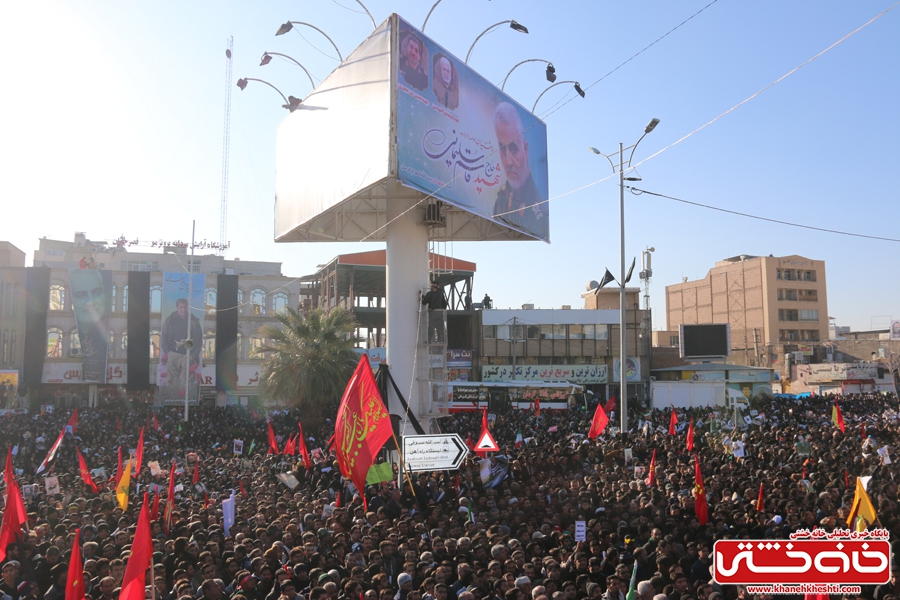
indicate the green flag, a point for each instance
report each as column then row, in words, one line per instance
column 252, row 445
column 380, row 473
column 632, row 592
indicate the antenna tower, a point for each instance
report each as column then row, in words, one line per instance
column 226, row 152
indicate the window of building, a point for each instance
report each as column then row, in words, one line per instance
column 489, row 332
column 674, row 340
column 57, row 297
column 112, row 305
column 54, row 342
column 125, row 298
column 124, row 344
column 788, row 314
column 789, row 275
column 240, row 296
column 257, row 342
column 778, row 274
column 808, row 295
column 809, row 335
column 12, row 346
column 209, row 300
column 156, row 299
column 154, row 343
column 140, row 265
column 111, row 348
column 194, row 265
column 811, row 314
column 74, row 343
column 503, row 332
column 590, row 331
column 576, row 332
column 787, row 295
column 209, row 345
column 257, row 301
column 4, row 351
column 533, row 332
column 279, row 301
column 809, row 276
column 242, row 354
column 788, row 335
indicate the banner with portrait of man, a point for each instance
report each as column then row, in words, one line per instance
column 465, row 142
column 180, row 349
column 92, row 304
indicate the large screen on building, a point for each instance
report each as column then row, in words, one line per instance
column 180, row 363
column 705, row 341
column 466, row 142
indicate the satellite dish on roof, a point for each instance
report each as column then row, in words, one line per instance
column 593, row 284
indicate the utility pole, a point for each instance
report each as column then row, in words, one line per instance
column 756, row 344
column 515, row 342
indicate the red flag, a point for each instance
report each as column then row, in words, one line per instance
column 846, row 479
column 862, row 427
column 154, row 510
column 700, row 505
column 537, row 407
column 205, row 499
column 196, row 478
column 155, row 422
column 119, row 468
column 456, row 484
column 837, row 417
column 362, row 426
column 139, row 455
column 610, row 405
column 651, row 476
column 170, row 502
column 803, row 473
column 599, row 422
column 290, row 448
column 241, row 485
column 301, row 443
column 673, row 420
column 86, row 474
column 760, row 503
column 469, row 442
column 690, row 436
column 75, row 579
column 118, row 424
column 273, row 445
column 136, row 566
column 14, row 517
column 73, row 422
column 338, row 497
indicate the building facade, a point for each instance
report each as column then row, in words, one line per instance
column 769, row 302
column 262, row 291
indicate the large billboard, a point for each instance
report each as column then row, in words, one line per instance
column 466, row 142
column 176, row 360
column 92, row 303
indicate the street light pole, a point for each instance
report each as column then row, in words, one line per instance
column 187, row 345
column 623, row 350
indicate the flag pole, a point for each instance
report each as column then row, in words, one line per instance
column 403, row 466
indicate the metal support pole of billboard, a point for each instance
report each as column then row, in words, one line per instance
column 188, row 345
column 623, row 350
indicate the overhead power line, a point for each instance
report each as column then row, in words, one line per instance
column 639, row 191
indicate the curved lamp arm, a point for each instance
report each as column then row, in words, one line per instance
column 512, row 24
column 550, row 69
column 433, row 6
column 290, row 25
column 267, row 58
column 650, row 127
column 374, row 26
column 290, row 102
column 577, row 89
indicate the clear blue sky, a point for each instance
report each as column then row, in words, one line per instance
column 112, row 120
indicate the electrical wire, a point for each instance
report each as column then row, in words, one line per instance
column 710, row 122
column 316, row 48
column 638, row 191
column 353, row 10
column 647, row 47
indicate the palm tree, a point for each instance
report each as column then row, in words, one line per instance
column 309, row 358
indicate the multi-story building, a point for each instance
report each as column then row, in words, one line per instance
column 262, row 291
column 768, row 301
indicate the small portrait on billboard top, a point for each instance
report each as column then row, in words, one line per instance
column 519, row 202
column 445, row 81
column 413, row 60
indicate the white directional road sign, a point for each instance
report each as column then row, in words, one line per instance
column 434, row 452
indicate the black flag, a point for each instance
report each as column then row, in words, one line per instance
column 607, row 278
column 630, row 271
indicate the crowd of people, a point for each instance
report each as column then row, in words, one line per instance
column 443, row 535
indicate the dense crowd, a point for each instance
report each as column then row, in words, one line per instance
column 445, row 535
